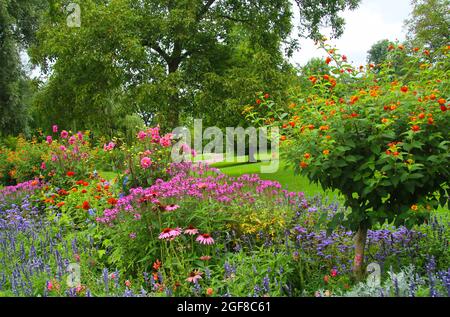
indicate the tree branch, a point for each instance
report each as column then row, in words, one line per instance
column 204, row 10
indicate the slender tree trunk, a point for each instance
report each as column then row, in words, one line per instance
column 360, row 244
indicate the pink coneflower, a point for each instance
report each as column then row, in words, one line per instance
column 172, row 207
column 194, row 276
column 109, row 147
column 49, row 139
column 205, row 239
column 202, row 185
column 64, row 134
column 55, row 128
column 191, row 230
column 169, row 233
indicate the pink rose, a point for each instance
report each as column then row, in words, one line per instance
column 146, row 162
column 141, row 135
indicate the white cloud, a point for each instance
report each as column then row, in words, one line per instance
column 374, row 20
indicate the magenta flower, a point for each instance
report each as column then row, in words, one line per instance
column 64, row 134
column 170, row 233
column 172, row 207
column 165, row 141
column 80, row 136
column 72, row 140
column 146, row 162
column 49, row 139
column 205, row 239
column 63, row 148
column 132, row 235
column 141, row 135
column 55, row 128
column 191, row 230
column 43, row 166
column 109, row 147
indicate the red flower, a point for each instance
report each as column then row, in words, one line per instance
column 303, row 164
column 443, row 108
column 442, row 101
column 112, row 201
column 404, row 89
column 266, row 96
column 326, row 278
column 344, row 58
column 156, row 265
column 70, row 173
column 354, row 115
column 415, row 128
column 258, row 101
column 84, row 191
column 86, row 205
column 334, row 272
column 63, row 192
column 328, row 60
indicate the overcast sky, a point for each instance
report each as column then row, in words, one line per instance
column 374, row 20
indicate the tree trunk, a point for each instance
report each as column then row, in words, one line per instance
column 360, row 244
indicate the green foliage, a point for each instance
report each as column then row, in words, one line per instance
column 164, row 60
column 18, row 22
column 429, row 26
column 384, row 146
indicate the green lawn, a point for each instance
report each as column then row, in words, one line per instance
column 284, row 175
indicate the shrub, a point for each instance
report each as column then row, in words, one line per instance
column 380, row 139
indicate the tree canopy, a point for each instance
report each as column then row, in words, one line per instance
column 167, row 60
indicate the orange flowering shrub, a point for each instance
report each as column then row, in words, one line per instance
column 380, row 139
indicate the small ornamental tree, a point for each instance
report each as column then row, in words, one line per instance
column 381, row 140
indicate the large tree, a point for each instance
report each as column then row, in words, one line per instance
column 167, row 59
column 429, row 24
column 18, row 23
